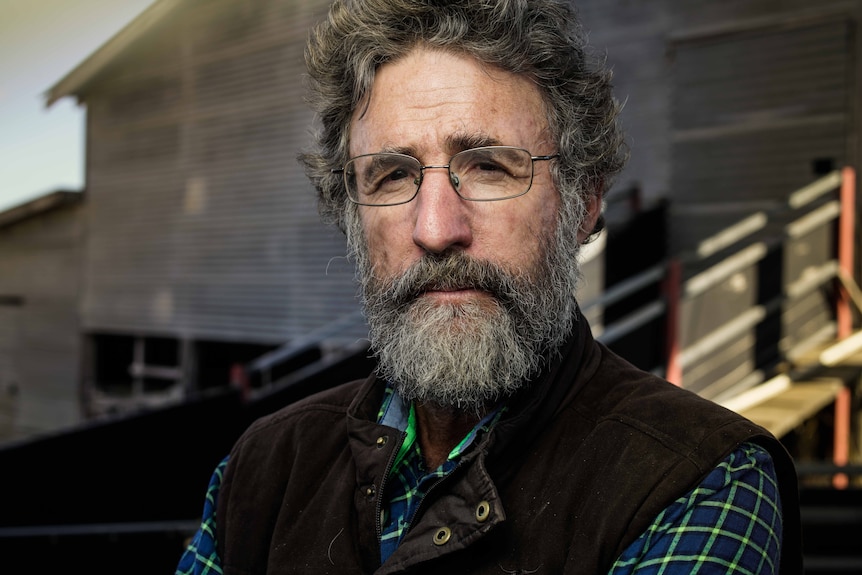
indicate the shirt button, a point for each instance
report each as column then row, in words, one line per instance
column 483, row 511
column 442, row 535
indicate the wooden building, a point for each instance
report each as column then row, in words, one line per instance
column 41, row 252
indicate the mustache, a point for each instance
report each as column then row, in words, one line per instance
column 451, row 271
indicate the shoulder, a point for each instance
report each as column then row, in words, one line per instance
column 328, row 405
column 312, row 431
column 730, row 522
column 619, row 394
column 665, row 442
column 315, row 420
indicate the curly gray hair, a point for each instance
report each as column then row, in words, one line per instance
column 540, row 39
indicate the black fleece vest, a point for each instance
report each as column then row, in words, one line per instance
column 577, row 470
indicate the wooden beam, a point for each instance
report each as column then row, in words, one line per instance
column 784, row 411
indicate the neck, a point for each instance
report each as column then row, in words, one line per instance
column 440, row 429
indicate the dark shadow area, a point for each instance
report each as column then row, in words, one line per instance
column 123, row 495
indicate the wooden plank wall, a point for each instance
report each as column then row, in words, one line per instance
column 763, row 104
column 202, row 223
column 729, row 105
column 754, row 112
column 632, row 39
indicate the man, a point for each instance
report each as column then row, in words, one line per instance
column 465, row 149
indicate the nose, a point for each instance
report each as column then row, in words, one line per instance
column 442, row 220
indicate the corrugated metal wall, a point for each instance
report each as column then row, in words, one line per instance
column 762, row 105
column 202, row 223
column 40, row 267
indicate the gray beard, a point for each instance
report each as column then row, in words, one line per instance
column 469, row 356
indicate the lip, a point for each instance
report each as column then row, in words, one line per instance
column 454, row 294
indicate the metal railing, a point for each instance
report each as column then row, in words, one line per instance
column 747, row 249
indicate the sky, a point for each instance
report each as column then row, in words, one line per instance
column 42, row 149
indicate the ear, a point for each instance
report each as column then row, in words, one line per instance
column 594, row 210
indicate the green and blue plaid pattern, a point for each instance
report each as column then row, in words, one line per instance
column 201, row 556
column 729, row 524
column 409, row 481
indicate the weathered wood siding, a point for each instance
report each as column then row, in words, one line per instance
column 755, row 112
column 730, row 105
column 203, row 224
column 632, row 38
column 40, row 276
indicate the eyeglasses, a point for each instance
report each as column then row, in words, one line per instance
column 482, row 174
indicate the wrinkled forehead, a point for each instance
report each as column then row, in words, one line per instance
column 437, row 101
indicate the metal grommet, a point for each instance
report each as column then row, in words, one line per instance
column 442, row 535
column 483, row 511
column 381, row 441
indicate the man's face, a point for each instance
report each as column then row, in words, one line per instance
column 462, row 297
column 432, row 105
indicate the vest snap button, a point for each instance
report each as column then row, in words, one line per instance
column 381, row 441
column 483, row 511
column 369, row 491
column 442, row 535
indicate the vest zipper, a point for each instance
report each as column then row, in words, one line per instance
column 379, row 506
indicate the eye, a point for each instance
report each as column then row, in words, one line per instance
column 484, row 167
column 393, row 175
column 487, row 166
column 491, row 162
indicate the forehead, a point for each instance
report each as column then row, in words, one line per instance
column 434, row 102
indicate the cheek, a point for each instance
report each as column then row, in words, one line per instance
column 528, row 226
column 511, row 238
column 381, row 237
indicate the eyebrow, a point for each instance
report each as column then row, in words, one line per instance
column 464, row 141
column 406, row 150
column 453, row 143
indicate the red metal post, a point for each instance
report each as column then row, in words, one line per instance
column 844, row 318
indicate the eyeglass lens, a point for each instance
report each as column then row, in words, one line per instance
column 479, row 174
